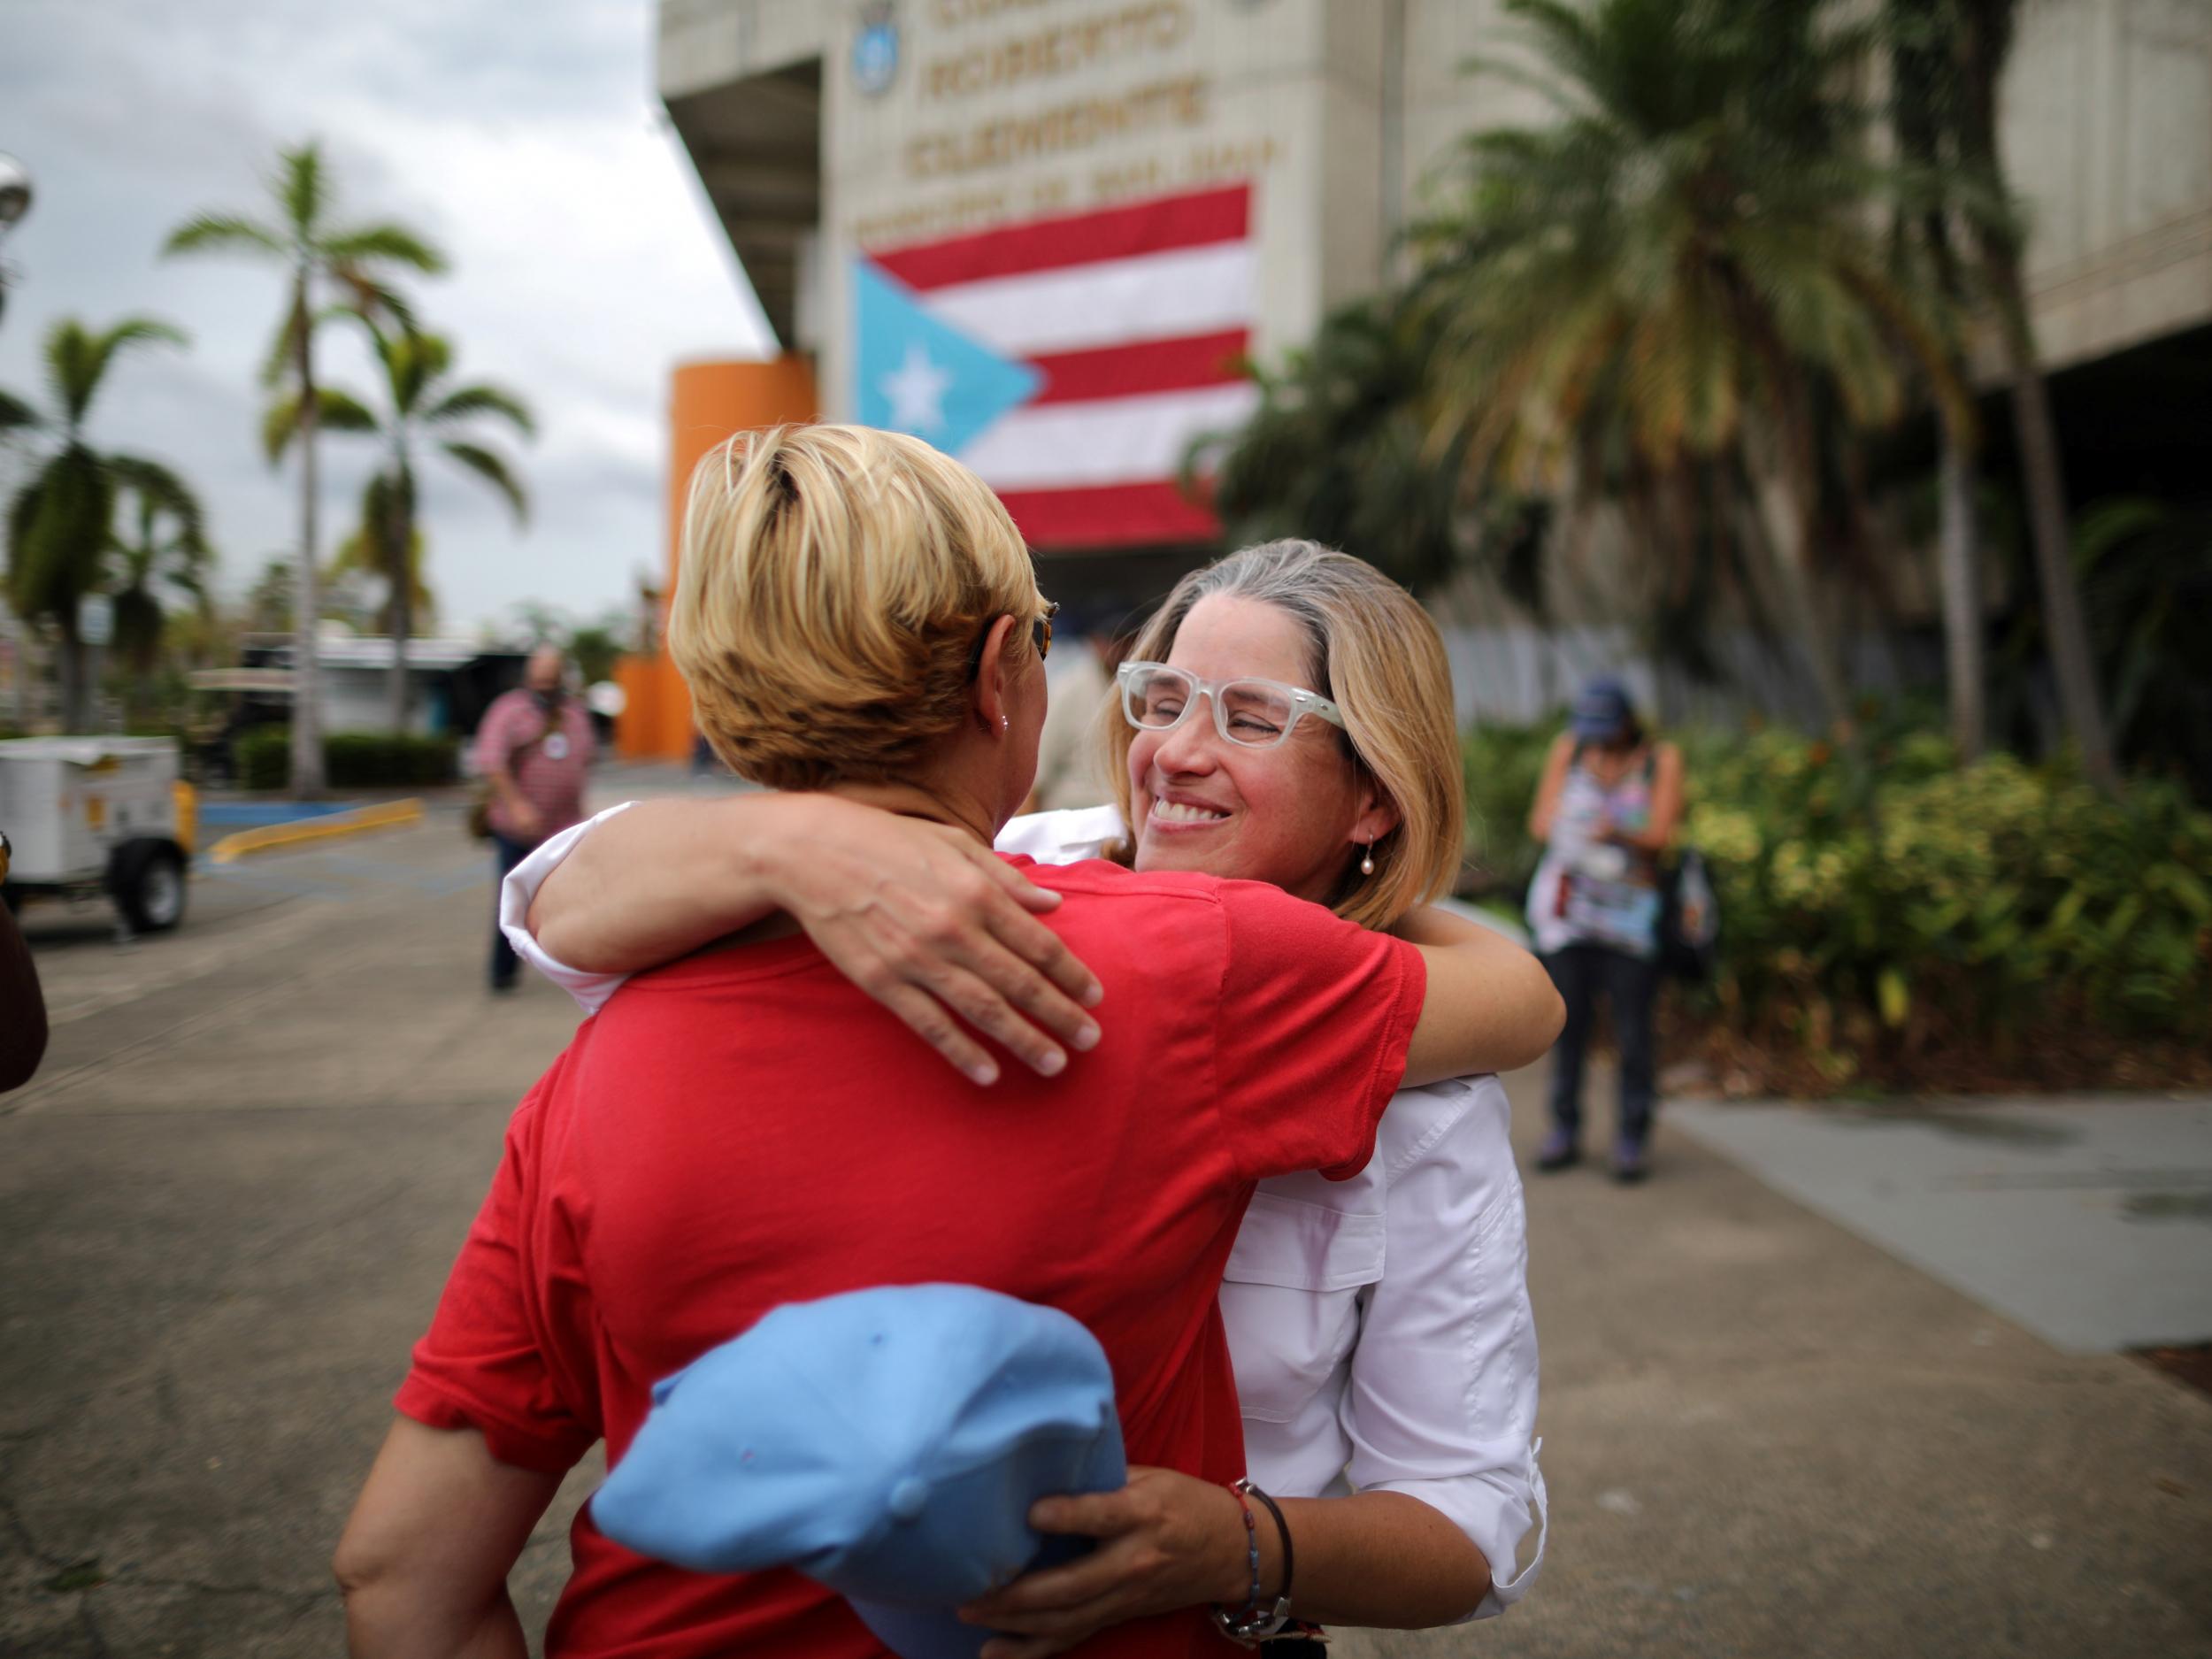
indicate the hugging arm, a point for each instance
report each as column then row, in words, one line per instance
column 922, row 918
column 1169, row 1540
column 1490, row 1006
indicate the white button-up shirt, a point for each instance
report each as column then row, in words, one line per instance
column 1380, row 1326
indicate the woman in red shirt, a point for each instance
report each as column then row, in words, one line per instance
column 856, row 618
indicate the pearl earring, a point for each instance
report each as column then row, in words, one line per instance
column 1367, row 864
column 1005, row 723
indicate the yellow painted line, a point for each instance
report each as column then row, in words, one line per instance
column 390, row 815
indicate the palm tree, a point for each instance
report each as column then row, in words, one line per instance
column 362, row 553
column 1677, row 277
column 318, row 255
column 1341, row 449
column 164, row 556
column 421, row 405
column 1925, row 112
column 1982, row 34
column 59, row 524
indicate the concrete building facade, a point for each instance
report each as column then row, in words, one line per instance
column 972, row 112
column 826, row 132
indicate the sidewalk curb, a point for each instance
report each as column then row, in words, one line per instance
column 388, row 815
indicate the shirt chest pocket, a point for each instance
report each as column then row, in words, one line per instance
column 1290, row 1299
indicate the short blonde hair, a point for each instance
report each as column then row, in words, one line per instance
column 834, row 585
column 1377, row 654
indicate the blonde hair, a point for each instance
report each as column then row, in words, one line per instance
column 1377, row 654
column 832, row 590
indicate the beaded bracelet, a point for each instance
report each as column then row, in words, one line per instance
column 1253, row 1621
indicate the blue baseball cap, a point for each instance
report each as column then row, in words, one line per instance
column 886, row 1443
column 1602, row 710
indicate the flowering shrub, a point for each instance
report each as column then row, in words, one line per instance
column 1883, row 907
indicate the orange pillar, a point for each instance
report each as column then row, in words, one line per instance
column 707, row 402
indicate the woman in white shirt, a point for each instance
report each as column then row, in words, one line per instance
column 1380, row 1326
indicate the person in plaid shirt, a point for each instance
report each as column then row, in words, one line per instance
column 534, row 748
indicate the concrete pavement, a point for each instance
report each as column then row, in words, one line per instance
column 2088, row 1219
column 1765, row 1436
column 228, row 1202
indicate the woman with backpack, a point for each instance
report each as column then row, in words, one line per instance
column 1605, row 811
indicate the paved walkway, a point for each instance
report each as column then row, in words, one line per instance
column 2087, row 1220
column 227, row 1204
column 1766, row 1437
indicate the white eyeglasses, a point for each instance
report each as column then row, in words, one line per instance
column 1253, row 713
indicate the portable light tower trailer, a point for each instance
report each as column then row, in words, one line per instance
column 87, row 816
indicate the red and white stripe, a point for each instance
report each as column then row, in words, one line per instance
column 1137, row 317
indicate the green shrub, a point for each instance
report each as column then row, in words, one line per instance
column 262, row 756
column 351, row 760
column 1882, row 906
column 1898, row 899
column 389, row 760
column 1503, row 764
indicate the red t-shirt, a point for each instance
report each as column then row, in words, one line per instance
column 746, row 1128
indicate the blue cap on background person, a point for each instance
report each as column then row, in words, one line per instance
column 1602, row 710
column 886, row 1443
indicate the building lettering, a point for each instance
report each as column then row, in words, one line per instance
column 1063, row 49
column 952, row 14
column 1080, row 125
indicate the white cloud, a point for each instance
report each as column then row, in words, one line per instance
column 526, row 141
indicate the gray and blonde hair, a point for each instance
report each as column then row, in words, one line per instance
column 833, row 584
column 1376, row 653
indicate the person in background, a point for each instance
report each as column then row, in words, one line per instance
column 1070, row 762
column 1606, row 807
column 22, row 1010
column 533, row 747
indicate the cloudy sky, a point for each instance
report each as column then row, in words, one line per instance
column 522, row 139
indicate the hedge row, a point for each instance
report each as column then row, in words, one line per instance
column 1889, row 901
column 351, row 760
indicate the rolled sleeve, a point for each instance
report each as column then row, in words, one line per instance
column 516, row 894
column 1441, row 1403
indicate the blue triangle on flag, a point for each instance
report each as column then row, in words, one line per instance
column 913, row 372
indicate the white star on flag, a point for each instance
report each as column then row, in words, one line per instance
column 917, row 391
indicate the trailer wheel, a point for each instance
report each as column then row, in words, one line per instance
column 147, row 883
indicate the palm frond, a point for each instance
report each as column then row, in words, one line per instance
column 336, row 410
column 159, row 491
column 77, row 358
column 383, row 243
column 224, row 232
column 15, row 414
column 468, row 401
column 415, row 363
column 370, row 298
column 303, row 190
column 58, row 534
column 494, row 470
column 283, row 352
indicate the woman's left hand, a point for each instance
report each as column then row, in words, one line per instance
column 1165, row 1540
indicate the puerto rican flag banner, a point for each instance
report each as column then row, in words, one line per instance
column 1071, row 362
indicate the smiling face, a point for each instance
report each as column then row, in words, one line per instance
column 1293, row 815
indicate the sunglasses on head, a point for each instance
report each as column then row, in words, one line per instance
column 1040, row 635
